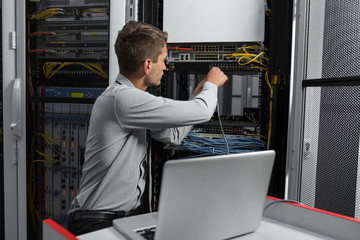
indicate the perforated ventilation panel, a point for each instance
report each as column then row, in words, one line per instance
column 315, row 35
column 330, row 159
column 341, row 39
column 333, row 43
column 310, row 146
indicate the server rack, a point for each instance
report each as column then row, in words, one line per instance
column 254, row 102
column 57, row 62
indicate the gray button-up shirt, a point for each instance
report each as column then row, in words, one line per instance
column 113, row 176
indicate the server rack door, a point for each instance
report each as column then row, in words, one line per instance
column 13, row 13
column 324, row 132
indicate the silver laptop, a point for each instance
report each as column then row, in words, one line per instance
column 215, row 197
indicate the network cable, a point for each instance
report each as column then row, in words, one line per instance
column 205, row 146
column 221, row 127
column 48, row 13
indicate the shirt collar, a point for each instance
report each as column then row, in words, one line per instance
column 123, row 80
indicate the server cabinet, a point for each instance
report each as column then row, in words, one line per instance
column 50, row 47
column 324, row 152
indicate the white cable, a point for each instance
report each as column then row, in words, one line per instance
column 222, row 130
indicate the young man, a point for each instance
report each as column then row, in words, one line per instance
column 123, row 119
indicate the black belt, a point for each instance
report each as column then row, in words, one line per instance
column 99, row 214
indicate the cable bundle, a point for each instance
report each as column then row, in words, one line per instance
column 48, row 13
column 49, row 68
column 94, row 10
column 206, row 146
column 245, row 57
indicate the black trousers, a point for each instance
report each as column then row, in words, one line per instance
column 81, row 222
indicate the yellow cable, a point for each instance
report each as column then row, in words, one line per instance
column 47, row 13
column 251, row 58
column 93, row 10
column 251, row 134
column 46, row 156
column 262, row 68
column 51, row 145
column 32, row 188
column 49, row 72
column 44, row 161
column 50, row 135
column 245, row 57
column 46, row 178
column 249, row 118
column 267, row 80
column 37, row 214
column 251, row 47
column 275, row 79
column 60, row 67
column 98, row 69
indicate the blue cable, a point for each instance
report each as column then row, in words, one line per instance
column 205, row 146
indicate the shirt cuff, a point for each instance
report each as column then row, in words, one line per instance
column 210, row 85
column 207, row 85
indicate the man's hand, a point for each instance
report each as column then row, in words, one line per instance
column 215, row 75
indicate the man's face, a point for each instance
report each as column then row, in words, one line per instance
column 157, row 70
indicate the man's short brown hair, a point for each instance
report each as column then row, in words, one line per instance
column 136, row 42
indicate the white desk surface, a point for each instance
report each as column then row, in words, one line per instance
column 269, row 229
column 281, row 221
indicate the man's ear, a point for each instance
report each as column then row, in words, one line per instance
column 147, row 65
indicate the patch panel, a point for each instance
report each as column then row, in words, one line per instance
column 217, row 129
column 232, row 67
column 231, row 127
column 63, row 13
column 206, row 57
column 205, row 48
column 79, row 27
column 229, row 48
column 229, row 130
column 74, row 73
column 75, row 45
column 228, row 53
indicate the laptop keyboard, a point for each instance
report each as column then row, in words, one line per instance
column 147, row 233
